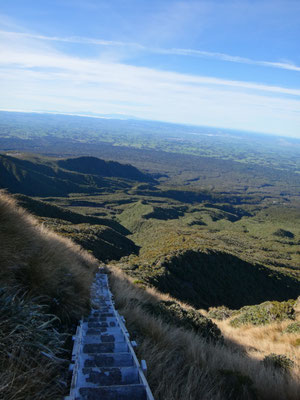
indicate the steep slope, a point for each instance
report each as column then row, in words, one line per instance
column 104, row 237
column 206, row 278
column 44, row 288
column 40, row 262
column 104, row 243
column 38, row 179
column 38, row 176
column 96, row 166
column 184, row 365
column 47, row 210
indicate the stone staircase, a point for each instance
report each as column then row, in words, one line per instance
column 104, row 363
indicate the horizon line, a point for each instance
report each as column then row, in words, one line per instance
column 104, row 116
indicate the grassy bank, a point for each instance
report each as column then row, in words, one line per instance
column 44, row 289
column 183, row 364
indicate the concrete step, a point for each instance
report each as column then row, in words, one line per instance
column 129, row 392
column 109, row 376
column 104, row 309
column 116, row 337
column 107, row 360
column 105, row 348
column 101, row 316
column 103, row 324
column 104, row 365
column 96, row 303
column 111, row 330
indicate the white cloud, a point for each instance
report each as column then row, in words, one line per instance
column 38, row 77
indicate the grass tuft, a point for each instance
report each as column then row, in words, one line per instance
column 32, row 354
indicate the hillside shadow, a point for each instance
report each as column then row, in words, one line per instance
column 212, row 278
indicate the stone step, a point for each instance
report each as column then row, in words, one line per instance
column 129, row 392
column 118, row 347
column 107, row 360
column 109, row 376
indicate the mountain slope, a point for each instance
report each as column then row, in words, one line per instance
column 96, row 166
column 44, row 289
column 47, row 210
column 104, row 237
column 38, row 176
column 206, row 278
column 39, row 261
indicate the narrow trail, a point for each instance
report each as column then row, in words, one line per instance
column 104, row 363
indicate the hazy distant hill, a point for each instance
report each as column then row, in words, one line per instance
column 43, row 177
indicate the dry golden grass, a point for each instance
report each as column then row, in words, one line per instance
column 182, row 366
column 41, row 274
column 42, row 263
column 259, row 341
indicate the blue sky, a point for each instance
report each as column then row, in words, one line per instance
column 226, row 63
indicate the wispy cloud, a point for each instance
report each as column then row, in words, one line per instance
column 71, row 39
column 227, row 57
column 35, row 76
column 157, row 50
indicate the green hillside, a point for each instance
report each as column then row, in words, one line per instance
column 211, row 278
column 104, row 237
column 47, row 210
column 95, row 166
column 35, row 176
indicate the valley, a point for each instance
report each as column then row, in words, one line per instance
column 190, row 230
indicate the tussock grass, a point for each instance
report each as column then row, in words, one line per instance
column 260, row 341
column 44, row 288
column 42, row 263
column 32, row 351
column 182, row 365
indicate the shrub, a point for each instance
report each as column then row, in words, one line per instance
column 284, row 234
column 278, row 361
column 296, row 342
column 292, row 328
column 171, row 312
column 220, row 313
column 265, row 313
column 236, row 385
